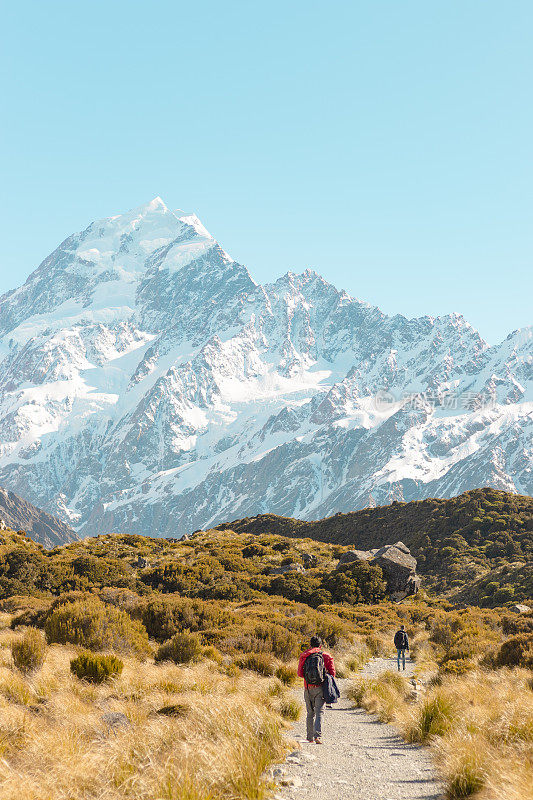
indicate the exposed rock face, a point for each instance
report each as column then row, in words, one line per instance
column 398, row 566
column 286, row 568
column 356, row 555
column 18, row 514
column 149, row 385
column 397, row 563
column 521, row 608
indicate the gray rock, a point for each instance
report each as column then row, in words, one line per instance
column 286, row 568
column 403, row 547
column 521, row 608
column 397, row 563
column 115, row 719
column 293, row 781
column 278, row 772
column 399, row 569
column 355, row 555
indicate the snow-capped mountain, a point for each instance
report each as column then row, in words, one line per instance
column 149, row 385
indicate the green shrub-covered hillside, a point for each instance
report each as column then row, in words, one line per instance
column 474, row 549
column 215, row 565
column 477, row 546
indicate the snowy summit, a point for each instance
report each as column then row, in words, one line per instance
column 149, row 385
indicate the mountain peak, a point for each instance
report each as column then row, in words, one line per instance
column 146, row 383
column 157, row 204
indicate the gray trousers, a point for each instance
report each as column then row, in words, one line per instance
column 314, row 703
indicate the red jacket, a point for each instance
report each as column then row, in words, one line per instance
column 328, row 662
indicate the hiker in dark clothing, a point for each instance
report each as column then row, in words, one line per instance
column 401, row 643
column 312, row 667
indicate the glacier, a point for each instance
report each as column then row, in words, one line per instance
column 149, row 385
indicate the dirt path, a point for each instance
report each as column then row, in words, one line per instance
column 361, row 758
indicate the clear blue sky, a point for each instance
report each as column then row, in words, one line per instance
column 385, row 143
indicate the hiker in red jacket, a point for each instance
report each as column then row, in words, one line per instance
column 312, row 667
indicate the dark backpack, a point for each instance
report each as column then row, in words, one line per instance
column 314, row 669
column 400, row 640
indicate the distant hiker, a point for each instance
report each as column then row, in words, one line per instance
column 401, row 643
column 313, row 666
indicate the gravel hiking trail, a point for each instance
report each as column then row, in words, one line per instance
column 360, row 758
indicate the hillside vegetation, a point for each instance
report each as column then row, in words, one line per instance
column 215, row 565
column 154, row 732
column 475, row 548
column 134, row 667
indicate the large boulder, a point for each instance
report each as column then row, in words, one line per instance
column 397, row 564
column 521, row 608
column 355, row 555
column 399, row 568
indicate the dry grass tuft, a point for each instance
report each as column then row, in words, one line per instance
column 381, row 695
column 434, row 717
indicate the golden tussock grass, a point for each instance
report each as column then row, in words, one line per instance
column 480, row 726
column 65, row 739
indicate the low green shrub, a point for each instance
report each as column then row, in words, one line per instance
column 278, row 640
column 95, row 667
column 29, row 652
column 95, row 626
column 165, row 616
column 457, row 666
column 276, row 689
column 375, row 645
column 381, row 695
column 395, row 680
column 357, row 691
column 174, row 710
column 210, row 652
column 517, row 651
column 358, row 659
column 435, row 718
column 467, row 777
column 232, row 670
column 183, row 648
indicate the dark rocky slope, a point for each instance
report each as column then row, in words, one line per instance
column 18, row 514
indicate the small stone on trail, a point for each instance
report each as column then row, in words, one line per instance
column 300, row 758
column 293, row 782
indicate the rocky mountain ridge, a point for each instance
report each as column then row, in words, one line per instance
column 149, row 385
column 18, row 514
